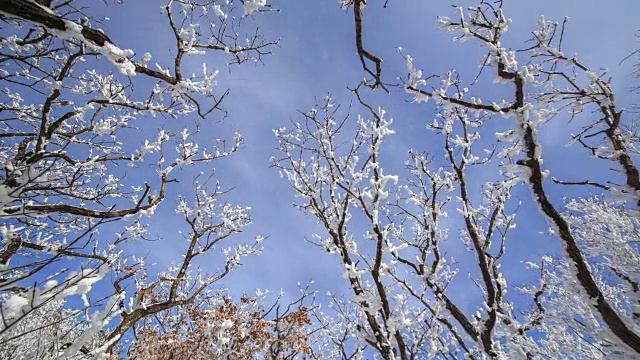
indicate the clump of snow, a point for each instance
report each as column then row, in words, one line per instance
column 251, row 6
column 218, row 11
column 14, row 306
column 117, row 56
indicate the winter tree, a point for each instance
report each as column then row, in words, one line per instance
column 392, row 229
column 84, row 123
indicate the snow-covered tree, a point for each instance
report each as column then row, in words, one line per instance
column 91, row 137
column 394, row 230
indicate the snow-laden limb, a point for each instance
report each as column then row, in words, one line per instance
column 98, row 321
column 191, row 39
column 68, row 30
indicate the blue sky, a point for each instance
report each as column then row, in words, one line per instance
column 317, row 56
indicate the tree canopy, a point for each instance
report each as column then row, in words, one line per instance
column 487, row 212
